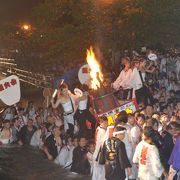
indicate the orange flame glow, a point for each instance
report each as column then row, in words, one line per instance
column 95, row 72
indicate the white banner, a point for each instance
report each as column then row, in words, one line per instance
column 10, row 90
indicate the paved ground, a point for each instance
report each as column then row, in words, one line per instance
column 27, row 163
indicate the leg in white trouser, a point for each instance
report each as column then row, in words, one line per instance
column 68, row 119
column 98, row 172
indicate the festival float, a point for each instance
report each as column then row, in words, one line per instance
column 104, row 102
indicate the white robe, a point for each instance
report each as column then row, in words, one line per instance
column 147, row 156
column 65, row 156
column 90, row 159
column 36, row 139
column 117, row 82
column 98, row 170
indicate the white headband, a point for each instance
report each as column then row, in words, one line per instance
column 119, row 132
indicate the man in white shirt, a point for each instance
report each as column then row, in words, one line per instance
column 136, row 82
column 123, row 77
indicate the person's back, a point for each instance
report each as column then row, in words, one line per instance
column 114, row 156
column 147, row 157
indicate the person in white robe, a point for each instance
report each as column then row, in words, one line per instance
column 65, row 156
column 147, row 158
column 99, row 171
column 37, row 138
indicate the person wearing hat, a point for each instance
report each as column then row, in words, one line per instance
column 114, row 156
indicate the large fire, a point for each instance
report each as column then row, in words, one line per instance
column 95, row 72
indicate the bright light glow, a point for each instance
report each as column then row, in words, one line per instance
column 95, row 71
column 26, row 27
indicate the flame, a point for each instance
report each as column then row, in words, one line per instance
column 95, row 71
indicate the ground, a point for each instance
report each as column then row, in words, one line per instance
column 28, row 163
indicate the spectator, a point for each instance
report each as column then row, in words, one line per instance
column 26, row 133
column 65, row 156
column 15, row 128
column 53, row 144
column 38, row 137
column 147, row 157
column 80, row 162
column 5, row 132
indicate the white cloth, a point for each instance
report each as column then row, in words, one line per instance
column 83, row 104
column 65, row 156
column 134, row 81
column 121, row 76
column 68, row 119
column 22, row 121
column 135, row 135
column 126, row 78
column 58, row 121
column 5, row 141
column 36, row 139
column 163, row 65
column 67, row 106
column 98, row 170
column 147, row 156
column 31, row 114
column 90, row 159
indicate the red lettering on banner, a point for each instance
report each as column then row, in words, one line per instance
column 96, row 136
column 13, row 82
column 1, row 87
column 6, row 85
column 143, row 155
column 84, row 70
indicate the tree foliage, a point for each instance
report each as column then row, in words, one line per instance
column 64, row 29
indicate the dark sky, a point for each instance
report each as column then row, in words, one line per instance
column 16, row 10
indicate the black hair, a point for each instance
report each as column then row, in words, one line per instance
column 48, row 125
column 175, row 124
column 20, row 109
column 103, row 119
column 61, row 127
column 151, row 122
column 140, row 115
column 122, row 118
column 6, row 121
column 14, row 120
column 84, row 87
column 148, row 131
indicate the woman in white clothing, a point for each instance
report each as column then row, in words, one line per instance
column 67, row 100
column 5, row 133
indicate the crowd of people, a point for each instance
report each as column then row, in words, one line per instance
column 144, row 145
